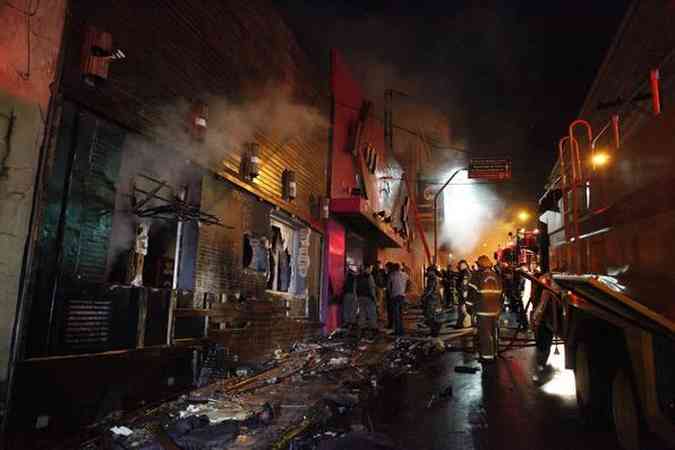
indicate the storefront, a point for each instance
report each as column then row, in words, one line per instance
column 369, row 201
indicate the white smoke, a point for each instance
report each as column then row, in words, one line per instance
column 473, row 218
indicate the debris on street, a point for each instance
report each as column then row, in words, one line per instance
column 466, row 369
column 285, row 402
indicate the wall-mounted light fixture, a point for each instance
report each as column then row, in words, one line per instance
column 250, row 161
column 289, row 185
column 325, row 208
column 97, row 53
column 199, row 115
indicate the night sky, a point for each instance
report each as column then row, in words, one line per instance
column 508, row 75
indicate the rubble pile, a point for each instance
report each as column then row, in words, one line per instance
column 290, row 401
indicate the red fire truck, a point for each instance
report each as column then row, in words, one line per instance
column 609, row 211
column 523, row 248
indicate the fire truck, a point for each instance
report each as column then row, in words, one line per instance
column 609, row 210
column 523, row 248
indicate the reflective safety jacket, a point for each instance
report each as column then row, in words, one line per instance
column 485, row 293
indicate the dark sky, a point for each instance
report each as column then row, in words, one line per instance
column 509, row 75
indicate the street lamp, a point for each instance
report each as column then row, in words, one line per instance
column 523, row 216
column 600, row 159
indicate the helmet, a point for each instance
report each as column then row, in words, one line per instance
column 484, row 262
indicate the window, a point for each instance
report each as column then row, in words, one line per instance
column 289, row 260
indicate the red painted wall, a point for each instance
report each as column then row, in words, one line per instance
column 28, row 76
column 348, row 98
column 336, row 271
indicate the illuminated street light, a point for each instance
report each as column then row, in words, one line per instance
column 523, row 216
column 600, row 159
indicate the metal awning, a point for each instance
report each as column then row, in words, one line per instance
column 357, row 213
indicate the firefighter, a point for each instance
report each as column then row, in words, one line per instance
column 462, row 284
column 485, row 293
column 543, row 322
column 448, row 281
column 520, row 289
column 431, row 300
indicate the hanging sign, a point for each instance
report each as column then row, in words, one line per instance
column 490, row 169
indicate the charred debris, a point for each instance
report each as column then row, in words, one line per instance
column 312, row 395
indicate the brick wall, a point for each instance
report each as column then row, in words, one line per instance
column 267, row 331
column 220, row 249
column 260, row 342
column 219, row 269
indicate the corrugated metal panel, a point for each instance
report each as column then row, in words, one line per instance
column 87, row 325
column 308, row 160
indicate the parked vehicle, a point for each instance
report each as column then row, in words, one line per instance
column 610, row 216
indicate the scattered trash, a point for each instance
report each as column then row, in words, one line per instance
column 122, row 431
column 234, row 401
column 244, row 371
column 466, row 369
column 445, row 393
column 342, row 361
column 199, row 434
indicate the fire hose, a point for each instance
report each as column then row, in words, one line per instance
column 556, row 299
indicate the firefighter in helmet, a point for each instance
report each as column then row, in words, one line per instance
column 431, row 301
column 485, row 293
column 462, row 286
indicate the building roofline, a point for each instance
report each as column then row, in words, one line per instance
column 608, row 56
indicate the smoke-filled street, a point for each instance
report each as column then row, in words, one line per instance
column 337, row 224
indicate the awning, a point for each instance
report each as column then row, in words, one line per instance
column 356, row 213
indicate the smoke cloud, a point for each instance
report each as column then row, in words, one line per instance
column 232, row 124
column 170, row 154
column 476, row 220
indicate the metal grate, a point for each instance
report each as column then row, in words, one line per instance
column 88, row 324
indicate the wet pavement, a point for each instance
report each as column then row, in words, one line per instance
column 499, row 407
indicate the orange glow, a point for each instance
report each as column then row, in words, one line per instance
column 600, row 159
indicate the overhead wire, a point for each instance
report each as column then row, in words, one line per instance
column 28, row 13
column 402, row 128
column 22, row 11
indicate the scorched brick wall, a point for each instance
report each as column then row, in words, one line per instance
column 220, row 251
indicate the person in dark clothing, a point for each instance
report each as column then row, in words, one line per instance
column 366, row 294
column 431, row 300
column 349, row 299
column 517, row 296
column 397, row 283
column 380, row 277
column 463, row 277
column 448, row 282
column 389, row 269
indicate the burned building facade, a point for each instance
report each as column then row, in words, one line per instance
column 185, row 165
column 195, row 177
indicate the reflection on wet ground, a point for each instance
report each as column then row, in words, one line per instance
column 499, row 407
